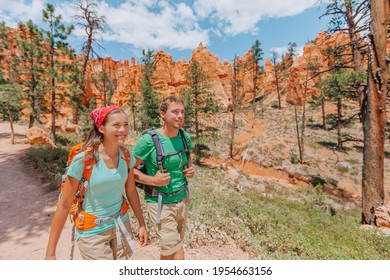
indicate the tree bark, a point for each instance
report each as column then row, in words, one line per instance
column 374, row 113
column 323, row 113
column 11, row 124
column 339, row 125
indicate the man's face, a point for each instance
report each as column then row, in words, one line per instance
column 174, row 116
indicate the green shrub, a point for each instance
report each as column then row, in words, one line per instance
column 294, row 157
column 50, row 162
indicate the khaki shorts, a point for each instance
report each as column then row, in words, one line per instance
column 173, row 225
column 103, row 246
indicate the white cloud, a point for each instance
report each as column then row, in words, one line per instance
column 154, row 24
column 284, row 49
column 236, row 17
column 150, row 24
column 14, row 11
column 160, row 24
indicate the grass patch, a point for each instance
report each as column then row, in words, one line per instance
column 272, row 227
column 50, row 162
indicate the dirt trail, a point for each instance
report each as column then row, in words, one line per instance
column 27, row 209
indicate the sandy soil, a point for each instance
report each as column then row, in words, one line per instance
column 27, row 208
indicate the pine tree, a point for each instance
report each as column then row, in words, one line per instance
column 32, row 46
column 150, row 111
column 235, row 84
column 338, row 87
column 10, row 91
column 133, row 101
column 74, row 79
column 350, row 16
column 277, row 75
column 11, row 100
column 56, row 35
column 292, row 53
column 199, row 100
column 105, row 85
column 257, row 56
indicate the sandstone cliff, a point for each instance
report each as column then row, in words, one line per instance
column 170, row 76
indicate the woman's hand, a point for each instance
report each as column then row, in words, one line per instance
column 143, row 236
column 50, row 257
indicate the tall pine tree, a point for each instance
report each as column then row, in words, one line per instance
column 150, row 115
column 56, row 35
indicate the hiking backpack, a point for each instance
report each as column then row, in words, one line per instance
column 160, row 156
column 81, row 219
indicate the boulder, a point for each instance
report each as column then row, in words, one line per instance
column 382, row 214
column 36, row 135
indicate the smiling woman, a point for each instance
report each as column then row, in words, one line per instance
column 97, row 178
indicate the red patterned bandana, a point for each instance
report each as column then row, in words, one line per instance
column 98, row 115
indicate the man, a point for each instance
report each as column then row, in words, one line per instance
column 170, row 181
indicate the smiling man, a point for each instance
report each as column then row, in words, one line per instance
column 167, row 201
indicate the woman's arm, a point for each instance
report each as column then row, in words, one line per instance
column 60, row 216
column 133, row 198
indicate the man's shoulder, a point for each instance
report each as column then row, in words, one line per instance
column 144, row 142
column 186, row 135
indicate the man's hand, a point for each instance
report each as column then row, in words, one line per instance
column 189, row 172
column 161, row 179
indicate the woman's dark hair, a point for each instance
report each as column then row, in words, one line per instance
column 94, row 138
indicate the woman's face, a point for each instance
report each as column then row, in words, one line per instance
column 115, row 128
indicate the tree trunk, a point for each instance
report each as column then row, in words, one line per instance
column 339, row 125
column 254, row 86
column 32, row 114
column 323, row 113
column 75, row 114
column 53, row 110
column 234, row 100
column 134, row 122
column 297, row 126
column 374, row 113
column 278, row 89
column 11, row 124
column 302, row 156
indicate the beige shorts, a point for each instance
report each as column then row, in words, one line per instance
column 173, row 225
column 103, row 246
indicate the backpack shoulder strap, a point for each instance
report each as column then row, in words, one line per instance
column 87, row 171
column 74, row 151
column 88, row 163
column 159, row 149
column 126, row 155
column 185, row 144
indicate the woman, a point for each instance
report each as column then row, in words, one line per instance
column 103, row 197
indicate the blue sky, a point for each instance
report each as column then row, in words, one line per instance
column 225, row 27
